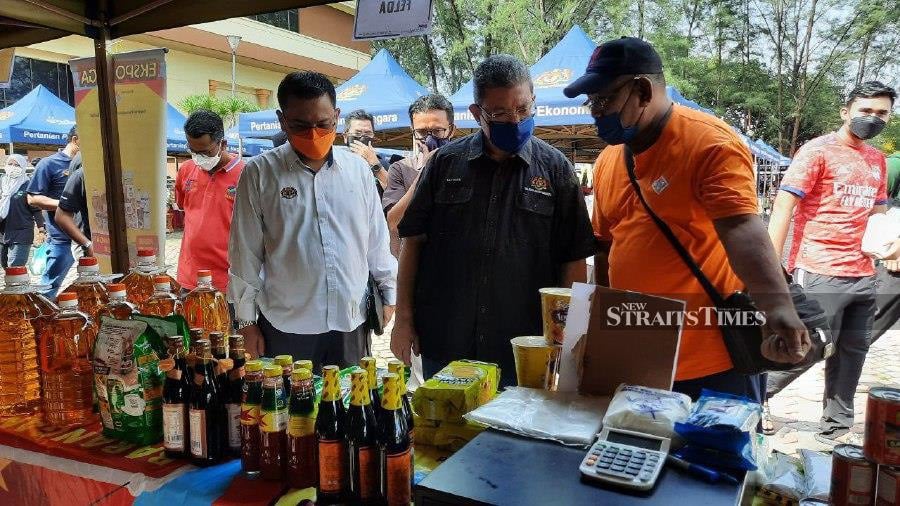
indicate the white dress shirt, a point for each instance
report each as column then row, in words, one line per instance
column 303, row 243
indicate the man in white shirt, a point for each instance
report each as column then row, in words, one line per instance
column 307, row 231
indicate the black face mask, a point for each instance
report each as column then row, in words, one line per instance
column 363, row 139
column 866, row 127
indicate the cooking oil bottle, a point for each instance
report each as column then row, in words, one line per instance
column 163, row 302
column 206, row 308
column 20, row 389
column 139, row 282
column 90, row 290
column 67, row 374
column 118, row 306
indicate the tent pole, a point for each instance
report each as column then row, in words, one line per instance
column 112, row 160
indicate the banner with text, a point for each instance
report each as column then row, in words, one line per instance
column 387, row 19
column 140, row 91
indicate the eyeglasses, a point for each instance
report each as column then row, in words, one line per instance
column 597, row 104
column 438, row 133
column 510, row 116
column 208, row 152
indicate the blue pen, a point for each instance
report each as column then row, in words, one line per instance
column 704, row 473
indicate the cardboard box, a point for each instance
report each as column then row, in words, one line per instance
column 617, row 336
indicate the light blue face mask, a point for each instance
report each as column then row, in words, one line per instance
column 511, row 137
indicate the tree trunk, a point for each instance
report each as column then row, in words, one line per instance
column 432, row 68
column 802, row 74
column 861, row 72
column 640, row 19
column 779, row 58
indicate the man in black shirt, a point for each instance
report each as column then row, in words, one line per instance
column 72, row 213
column 496, row 216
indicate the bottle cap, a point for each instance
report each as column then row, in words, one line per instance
column 146, row 253
column 87, row 261
column 17, row 275
column 216, row 339
column 396, row 366
column 254, row 366
column 204, row 276
column 16, row 271
column 303, row 364
column 202, row 348
column 116, row 290
column 67, row 299
column 236, row 342
column 284, row 360
column 301, row 374
column 331, row 370
column 273, row 371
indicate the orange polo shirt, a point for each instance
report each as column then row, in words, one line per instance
column 696, row 172
column 207, row 201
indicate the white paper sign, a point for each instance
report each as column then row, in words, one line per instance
column 387, row 19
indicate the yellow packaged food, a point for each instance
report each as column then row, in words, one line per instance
column 458, row 388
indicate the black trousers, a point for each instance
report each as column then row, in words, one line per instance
column 343, row 349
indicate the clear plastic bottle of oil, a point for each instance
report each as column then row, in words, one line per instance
column 163, row 302
column 92, row 293
column 206, row 308
column 139, row 282
column 20, row 388
column 66, row 370
column 118, row 306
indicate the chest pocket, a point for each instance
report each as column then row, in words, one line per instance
column 534, row 217
column 452, row 201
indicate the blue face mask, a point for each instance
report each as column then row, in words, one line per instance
column 610, row 129
column 511, row 137
column 432, row 142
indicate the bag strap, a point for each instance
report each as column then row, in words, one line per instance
column 673, row 240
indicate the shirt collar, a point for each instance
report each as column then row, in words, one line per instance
column 234, row 162
column 476, row 148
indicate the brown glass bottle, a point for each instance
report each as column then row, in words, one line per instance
column 207, row 414
column 235, row 392
column 330, row 440
column 399, row 368
column 251, row 401
column 394, row 446
column 302, row 461
column 286, row 362
column 362, row 443
column 368, row 364
column 273, row 426
column 176, row 400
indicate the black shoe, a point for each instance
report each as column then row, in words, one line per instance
column 832, row 437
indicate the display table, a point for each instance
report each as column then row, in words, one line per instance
column 499, row 468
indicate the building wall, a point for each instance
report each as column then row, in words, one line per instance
column 327, row 23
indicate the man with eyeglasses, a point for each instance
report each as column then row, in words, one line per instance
column 308, row 229
column 205, row 188
column 359, row 134
column 431, row 117
column 835, row 182
column 496, row 216
column 696, row 174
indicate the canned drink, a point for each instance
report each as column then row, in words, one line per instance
column 882, row 439
column 852, row 477
column 888, row 486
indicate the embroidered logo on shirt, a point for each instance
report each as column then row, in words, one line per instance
column 189, row 185
column 660, row 185
column 540, row 184
column 288, row 192
column 66, row 173
column 230, row 192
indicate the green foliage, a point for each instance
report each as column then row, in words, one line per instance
column 723, row 54
column 227, row 107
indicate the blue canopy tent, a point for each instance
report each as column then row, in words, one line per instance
column 39, row 117
column 176, row 142
column 251, row 147
column 561, row 65
column 382, row 88
column 678, row 98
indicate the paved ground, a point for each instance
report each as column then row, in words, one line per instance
column 796, row 410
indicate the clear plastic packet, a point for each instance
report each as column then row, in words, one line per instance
column 723, row 422
column 817, row 470
column 647, row 410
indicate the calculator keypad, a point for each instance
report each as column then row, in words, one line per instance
column 628, row 464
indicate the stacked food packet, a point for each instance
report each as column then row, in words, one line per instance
column 721, row 431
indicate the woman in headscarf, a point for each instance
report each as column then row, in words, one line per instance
column 17, row 218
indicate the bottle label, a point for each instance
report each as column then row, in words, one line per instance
column 249, row 414
column 273, row 421
column 332, row 462
column 234, row 425
column 299, row 426
column 173, row 427
column 198, row 433
column 368, row 472
column 398, row 478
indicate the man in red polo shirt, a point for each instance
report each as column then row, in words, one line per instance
column 204, row 189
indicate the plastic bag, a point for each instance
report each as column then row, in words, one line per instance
column 784, row 477
column 722, row 422
column 647, row 410
column 817, row 468
column 566, row 417
column 128, row 380
column 38, row 263
column 881, row 231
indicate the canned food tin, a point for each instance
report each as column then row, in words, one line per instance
column 882, row 440
column 852, row 477
column 888, row 486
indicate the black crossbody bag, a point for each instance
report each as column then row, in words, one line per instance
column 744, row 341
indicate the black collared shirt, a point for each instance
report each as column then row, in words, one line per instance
column 496, row 232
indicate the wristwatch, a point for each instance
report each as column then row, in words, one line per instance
column 241, row 324
column 376, row 168
column 86, row 246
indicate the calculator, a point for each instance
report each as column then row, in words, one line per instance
column 626, row 459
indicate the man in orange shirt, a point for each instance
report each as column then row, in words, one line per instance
column 697, row 176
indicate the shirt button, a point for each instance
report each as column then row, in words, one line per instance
column 481, row 337
column 494, row 198
column 483, row 309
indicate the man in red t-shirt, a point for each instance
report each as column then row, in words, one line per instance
column 205, row 189
column 835, row 183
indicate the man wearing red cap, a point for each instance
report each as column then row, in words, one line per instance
column 697, row 176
